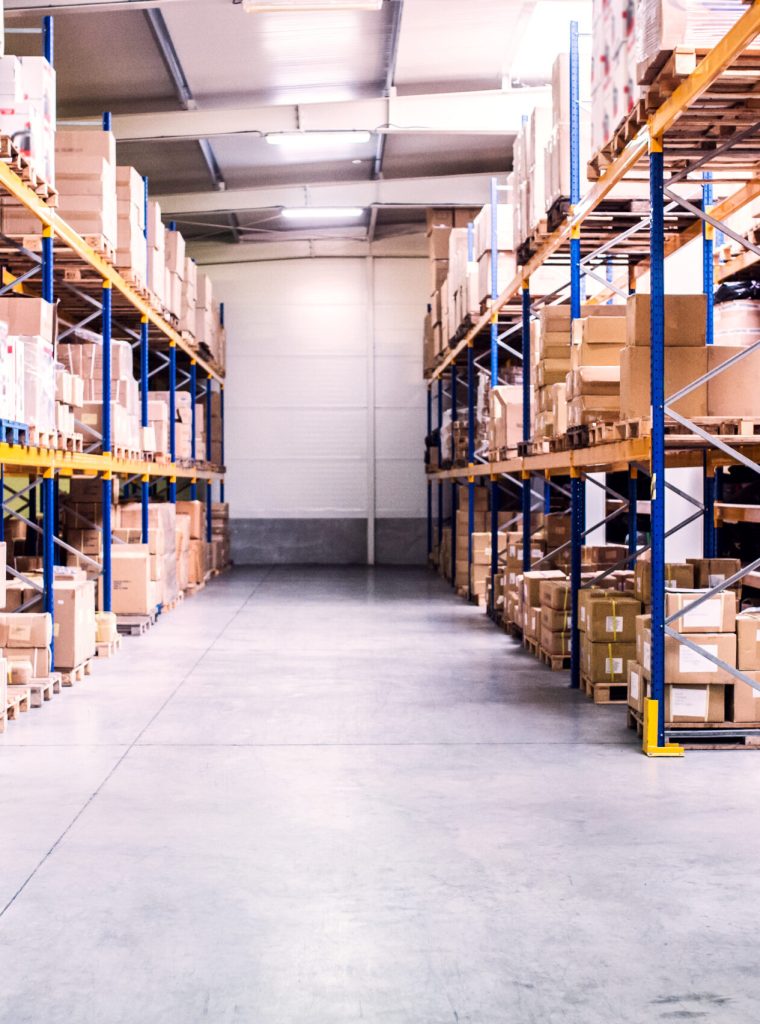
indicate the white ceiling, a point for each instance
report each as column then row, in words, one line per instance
column 107, row 54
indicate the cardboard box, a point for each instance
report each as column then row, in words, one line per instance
column 29, row 629
column 28, row 317
column 197, row 561
column 612, row 619
column 586, row 596
column 682, row 366
column 131, row 591
column 637, row 686
column 644, row 643
column 75, row 627
column 556, row 594
column 532, row 585
column 682, row 665
column 748, row 640
column 710, row 572
column 678, row 576
column 106, row 627
column 556, row 620
column 555, row 642
column 702, row 703
column 685, row 320
column 743, row 700
column 606, row 662
column 715, row 615
column 733, row 392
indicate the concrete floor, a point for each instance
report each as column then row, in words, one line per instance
column 323, row 796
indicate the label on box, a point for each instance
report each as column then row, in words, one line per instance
column 688, row 701
column 706, row 615
column 714, row 579
column 634, row 685
column 583, row 614
column 671, row 585
column 613, row 666
column 689, row 661
column 614, row 624
column 647, row 654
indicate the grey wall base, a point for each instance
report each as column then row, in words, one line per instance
column 327, row 541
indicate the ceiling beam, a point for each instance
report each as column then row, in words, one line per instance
column 214, row 253
column 494, row 112
column 455, row 190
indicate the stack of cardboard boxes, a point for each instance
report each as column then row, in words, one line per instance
column 556, row 617
column 85, row 359
column 220, row 534
column 28, row 111
column 83, row 517
column 187, row 311
column 593, row 383
column 69, row 400
column 197, row 560
column 86, row 182
column 131, row 245
column 607, row 621
column 183, row 425
column 174, row 267
column 557, row 153
column 25, row 640
column 507, row 264
column 505, row 419
column 156, row 255
column 160, row 552
column 532, row 582
column 550, row 365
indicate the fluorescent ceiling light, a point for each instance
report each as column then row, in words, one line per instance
column 280, row 6
column 317, row 139
column 322, row 212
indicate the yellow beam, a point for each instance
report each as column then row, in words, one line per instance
column 17, row 457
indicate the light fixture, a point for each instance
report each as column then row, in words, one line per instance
column 322, row 212
column 286, row 6
column 317, row 139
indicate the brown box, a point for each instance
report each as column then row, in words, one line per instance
column 612, row 619
column 702, row 703
column 644, row 643
column 743, row 701
column 75, row 627
column 556, row 594
column 586, row 596
column 131, row 590
column 555, row 642
column 734, row 391
column 606, row 663
column 532, row 623
column 29, row 629
column 555, row 620
column 557, row 529
column 637, row 686
column 682, row 665
column 685, row 320
column 709, row 572
column 532, row 585
column 715, row 615
column 678, row 576
column 748, row 641
column 28, row 316
column 682, row 366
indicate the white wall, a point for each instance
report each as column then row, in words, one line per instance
column 308, row 350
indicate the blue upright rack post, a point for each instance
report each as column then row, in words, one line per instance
column 470, row 460
column 221, row 411
column 494, row 381
column 709, row 536
column 193, row 396
column 526, row 431
column 429, row 481
column 209, row 495
column 106, row 445
column 656, row 706
column 48, row 481
column 708, row 286
column 577, row 506
column 144, row 420
column 454, row 492
column 172, row 418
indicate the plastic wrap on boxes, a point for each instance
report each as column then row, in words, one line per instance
column 39, row 382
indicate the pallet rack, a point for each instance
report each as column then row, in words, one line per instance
column 704, row 128
column 87, row 287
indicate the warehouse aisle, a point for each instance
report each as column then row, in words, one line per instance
column 317, row 796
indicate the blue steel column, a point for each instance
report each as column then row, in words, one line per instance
column 577, row 484
column 454, row 492
column 429, row 481
column 221, row 439
column 48, row 482
column 709, row 533
column 633, row 513
column 144, row 421
column 526, row 431
column 106, row 445
column 470, row 460
column 708, row 235
column 172, row 417
column 209, row 495
column 657, row 370
column 48, row 39
column 494, row 381
column 193, row 453
column 440, row 463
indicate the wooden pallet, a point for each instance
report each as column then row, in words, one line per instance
column 602, row 433
column 38, row 691
column 736, row 427
column 77, row 674
column 135, row 625
column 12, row 432
column 704, row 736
column 533, row 241
column 194, row 588
column 69, row 442
column 18, row 701
column 108, row 648
column 605, row 693
column 169, row 606
column 11, row 155
column 42, row 438
column 530, row 645
column 556, row 662
column 102, row 246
